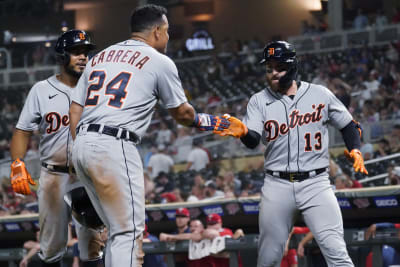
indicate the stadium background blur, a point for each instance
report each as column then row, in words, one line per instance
column 350, row 46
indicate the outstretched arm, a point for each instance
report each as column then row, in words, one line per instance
column 186, row 115
column 75, row 112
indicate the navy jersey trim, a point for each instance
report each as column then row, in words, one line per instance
column 288, row 136
column 61, row 91
column 297, row 127
column 133, row 206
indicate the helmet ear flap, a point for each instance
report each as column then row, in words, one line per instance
column 286, row 80
column 63, row 59
column 66, row 58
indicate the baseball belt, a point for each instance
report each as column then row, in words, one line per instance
column 113, row 131
column 296, row 176
column 56, row 168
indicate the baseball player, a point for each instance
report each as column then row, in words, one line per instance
column 291, row 118
column 46, row 110
column 111, row 110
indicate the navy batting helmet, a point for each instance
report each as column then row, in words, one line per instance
column 82, row 208
column 71, row 39
column 282, row 52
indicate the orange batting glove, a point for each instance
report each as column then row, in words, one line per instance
column 20, row 178
column 236, row 128
column 356, row 157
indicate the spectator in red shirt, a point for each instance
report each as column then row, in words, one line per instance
column 290, row 256
column 196, row 230
column 214, row 229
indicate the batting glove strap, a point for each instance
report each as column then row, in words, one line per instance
column 207, row 122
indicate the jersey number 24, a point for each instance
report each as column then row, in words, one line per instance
column 116, row 88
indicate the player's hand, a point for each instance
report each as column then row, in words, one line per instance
column 20, row 178
column 355, row 156
column 300, row 250
column 370, row 232
column 236, row 128
column 207, row 122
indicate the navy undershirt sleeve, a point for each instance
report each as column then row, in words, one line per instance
column 351, row 136
column 251, row 139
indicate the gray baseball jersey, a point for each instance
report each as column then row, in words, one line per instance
column 295, row 132
column 122, row 84
column 46, row 109
column 119, row 88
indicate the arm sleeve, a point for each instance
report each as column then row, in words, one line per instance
column 30, row 116
column 351, row 136
column 339, row 116
column 169, row 88
column 253, row 118
column 251, row 139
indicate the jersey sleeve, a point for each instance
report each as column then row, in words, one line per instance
column 79, row 93
column 169, row 88
column 338, row 114
column 30, row 116
column 253, row 118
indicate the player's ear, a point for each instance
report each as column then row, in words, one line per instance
column 157, row 31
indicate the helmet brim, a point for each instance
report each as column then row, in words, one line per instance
column 88, row 45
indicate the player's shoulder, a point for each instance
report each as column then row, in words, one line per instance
column 41, row 86
column 262, row 96
column 164, row 61
column 317, row 90
column 314, row 87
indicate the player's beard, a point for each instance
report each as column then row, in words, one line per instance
column 275, row 86
column 70, row 70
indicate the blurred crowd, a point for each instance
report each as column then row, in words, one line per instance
column 184, row 165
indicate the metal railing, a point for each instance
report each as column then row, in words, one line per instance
column 25, row 76
column 341, row 40
column 379, row 176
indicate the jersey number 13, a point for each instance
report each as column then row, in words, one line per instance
column 318, row 138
